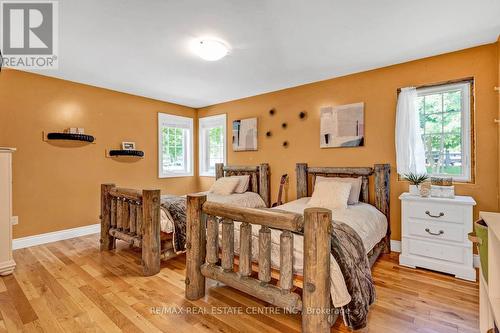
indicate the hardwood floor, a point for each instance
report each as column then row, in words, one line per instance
column 70, row 286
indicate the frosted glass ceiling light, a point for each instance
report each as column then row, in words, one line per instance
column 211, row 49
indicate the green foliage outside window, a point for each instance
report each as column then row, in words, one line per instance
column 173, row 148
column 441, row 124
column 215, row 146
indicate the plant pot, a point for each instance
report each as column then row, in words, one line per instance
column 414, row 190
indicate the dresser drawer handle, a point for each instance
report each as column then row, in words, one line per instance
column 436, row 216
column 434, row 233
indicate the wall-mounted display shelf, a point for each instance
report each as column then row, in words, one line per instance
column 68, row 137
column 122, row 152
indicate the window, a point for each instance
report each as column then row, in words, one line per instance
column 175, row 143
column 212, row 134
column 445, row 122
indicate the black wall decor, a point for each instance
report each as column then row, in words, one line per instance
column 302, row 114
column 284, row 125
column 285, row 144
column 71, row 137
column 121, row 152
column 269, row 133
column 272, row 112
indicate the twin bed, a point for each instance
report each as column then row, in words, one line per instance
column 156, row 223
column 287, row 256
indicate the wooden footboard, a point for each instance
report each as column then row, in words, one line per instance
column 203, row 260
column 132, row 216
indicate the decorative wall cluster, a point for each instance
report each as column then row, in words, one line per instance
column 284, row 125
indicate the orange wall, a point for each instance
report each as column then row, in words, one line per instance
column 377, row 89
column 57, row 187
column 498, row 116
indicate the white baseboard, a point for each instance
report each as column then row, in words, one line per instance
column 395, row 245
column 20, row 243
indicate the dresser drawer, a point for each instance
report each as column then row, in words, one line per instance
column 435, row 211
column 436, row 230
column 429, row 249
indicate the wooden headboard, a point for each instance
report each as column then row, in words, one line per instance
column 259, row 177
column 381, row 172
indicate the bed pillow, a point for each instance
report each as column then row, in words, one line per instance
column 330, row 194
column 224, row 186
column 355, row 188
column 243, row 182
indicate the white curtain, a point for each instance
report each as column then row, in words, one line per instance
column 410, row 153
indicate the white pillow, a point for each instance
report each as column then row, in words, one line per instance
column 330, row 194
column 355, row 188
column 243, row 182
column 224, row 186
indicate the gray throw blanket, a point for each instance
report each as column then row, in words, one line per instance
column 346, row 247
column 176, row 206
column 349, row 252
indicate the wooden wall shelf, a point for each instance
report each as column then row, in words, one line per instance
column 69, row 137
column 128, row 153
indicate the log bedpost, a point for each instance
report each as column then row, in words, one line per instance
column 264, row 183
column 219, row 170
column 227, row 245
column 212, row 240
column 107, row 241
column 132, row 217
column 119, row 212
column 365, row 193
column 195, row 245
column 245, row 265
column 151, row 247
column 382, row 198
column 265, row 254
column 316, row 293
column 286, row 261
column 301, row 171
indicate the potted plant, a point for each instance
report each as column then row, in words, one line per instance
column 415, row 179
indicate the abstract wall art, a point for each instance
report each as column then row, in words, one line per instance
column 342, row 126
column 245, row 134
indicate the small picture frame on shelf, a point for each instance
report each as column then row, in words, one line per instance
column 128, row 145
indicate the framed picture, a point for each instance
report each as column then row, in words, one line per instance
column 128, row 145
column 245, row 134
column 342, row 126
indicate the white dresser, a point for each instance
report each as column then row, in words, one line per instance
column 434, row 234
column 7, row 263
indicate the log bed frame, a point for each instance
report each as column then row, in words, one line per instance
column 133, row 215
column 206, row 258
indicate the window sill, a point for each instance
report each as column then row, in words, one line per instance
column 177, row 175
column 207, row 174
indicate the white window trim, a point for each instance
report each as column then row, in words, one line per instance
column 465, row 87
column 208, row 122
column 169, row 120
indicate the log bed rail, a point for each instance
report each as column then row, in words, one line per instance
column 202, row 258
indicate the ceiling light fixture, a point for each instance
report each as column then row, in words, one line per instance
column 211, row 49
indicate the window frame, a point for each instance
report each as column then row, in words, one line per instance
column 173, row 121
column 467, row 97
column 204, row 124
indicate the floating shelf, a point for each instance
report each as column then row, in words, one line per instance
column 69, row 137
column 121, row 152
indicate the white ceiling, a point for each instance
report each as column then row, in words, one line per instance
column 142, row 47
